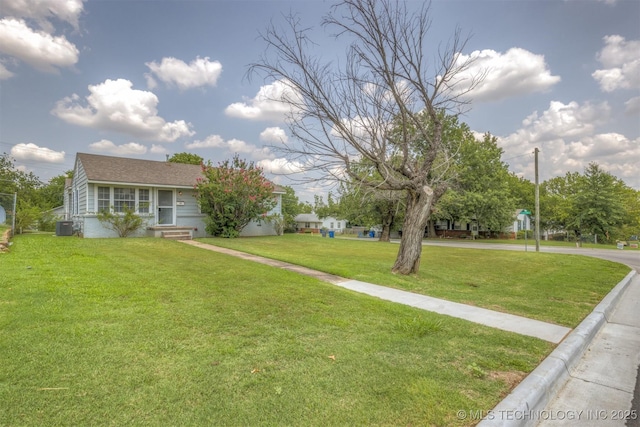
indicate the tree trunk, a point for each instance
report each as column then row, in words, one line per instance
column 417, row 214
column 432, row 229
column 385, row 235
column 387, row 220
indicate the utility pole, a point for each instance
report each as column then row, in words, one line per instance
column 537, row 230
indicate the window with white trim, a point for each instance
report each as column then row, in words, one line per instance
column 104, row 198
column 124, row 198
column 76, row 202
column 121, row 198
column 143, row 200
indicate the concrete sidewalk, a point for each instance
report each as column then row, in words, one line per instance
column 601, row 386
column 507, row 322
column 589, row 379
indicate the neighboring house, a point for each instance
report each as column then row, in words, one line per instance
column 161, row 192
column 58, row 212
column 521, row 222
column 311, row 222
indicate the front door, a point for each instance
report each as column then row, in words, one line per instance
column 165, row 207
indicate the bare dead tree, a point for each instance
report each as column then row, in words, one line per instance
column 383, row 105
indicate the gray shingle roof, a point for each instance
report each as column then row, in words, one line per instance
column 136, row 171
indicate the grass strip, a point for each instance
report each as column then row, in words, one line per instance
column 560, row 289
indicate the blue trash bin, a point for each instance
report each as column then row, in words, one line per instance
column 331, row 233
column 372, row 233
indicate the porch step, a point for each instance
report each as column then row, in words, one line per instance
column 177, row 235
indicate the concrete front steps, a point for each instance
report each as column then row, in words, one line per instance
column 173, row 233
column 177, row 235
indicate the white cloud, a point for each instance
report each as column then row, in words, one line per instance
column 614, row 152
column 39, row 49
column 515, row 72
column 115, row 106
column 567, row 137
column 621, row 60
column 32, row 152
column 42, row 11
column 561, row 121
column 158, row 149
column 212, row 141
column 231, row 146
column 106, row 146
column 174, row 72
column 280, row 166
column 273, row 135
column 267, row 104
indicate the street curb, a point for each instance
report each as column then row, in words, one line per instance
column 540, row 386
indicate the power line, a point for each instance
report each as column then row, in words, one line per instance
column 518, row 156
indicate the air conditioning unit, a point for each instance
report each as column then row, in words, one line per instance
column 64, row 228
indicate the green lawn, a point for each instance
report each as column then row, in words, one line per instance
column 555, row 288
column 156, row 333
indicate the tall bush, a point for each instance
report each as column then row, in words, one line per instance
column 125, row 223
column 232, row 194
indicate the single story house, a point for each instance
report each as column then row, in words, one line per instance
column 161, row 192
column 311, row 223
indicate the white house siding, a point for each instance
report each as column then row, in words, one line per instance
column 79, row 189
column 94, row 229
column 310, row 222
column 188, row 215
column 263, row 227
column 521, row 222
column 258, row 228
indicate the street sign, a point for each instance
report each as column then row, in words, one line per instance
column 525, row 212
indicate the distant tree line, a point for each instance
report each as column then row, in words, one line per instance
column 481, row 189
column 35, row 199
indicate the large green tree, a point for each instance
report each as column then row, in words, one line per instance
column 292, row 207
column 631, row 222
column 598, row 207
column 26, row 186
column 368, row 207
column 481, row 190
column 232, row 194
column 328, row 209
column 52, row 193
column 594, row 203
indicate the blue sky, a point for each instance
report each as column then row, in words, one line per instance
column 151, row 78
